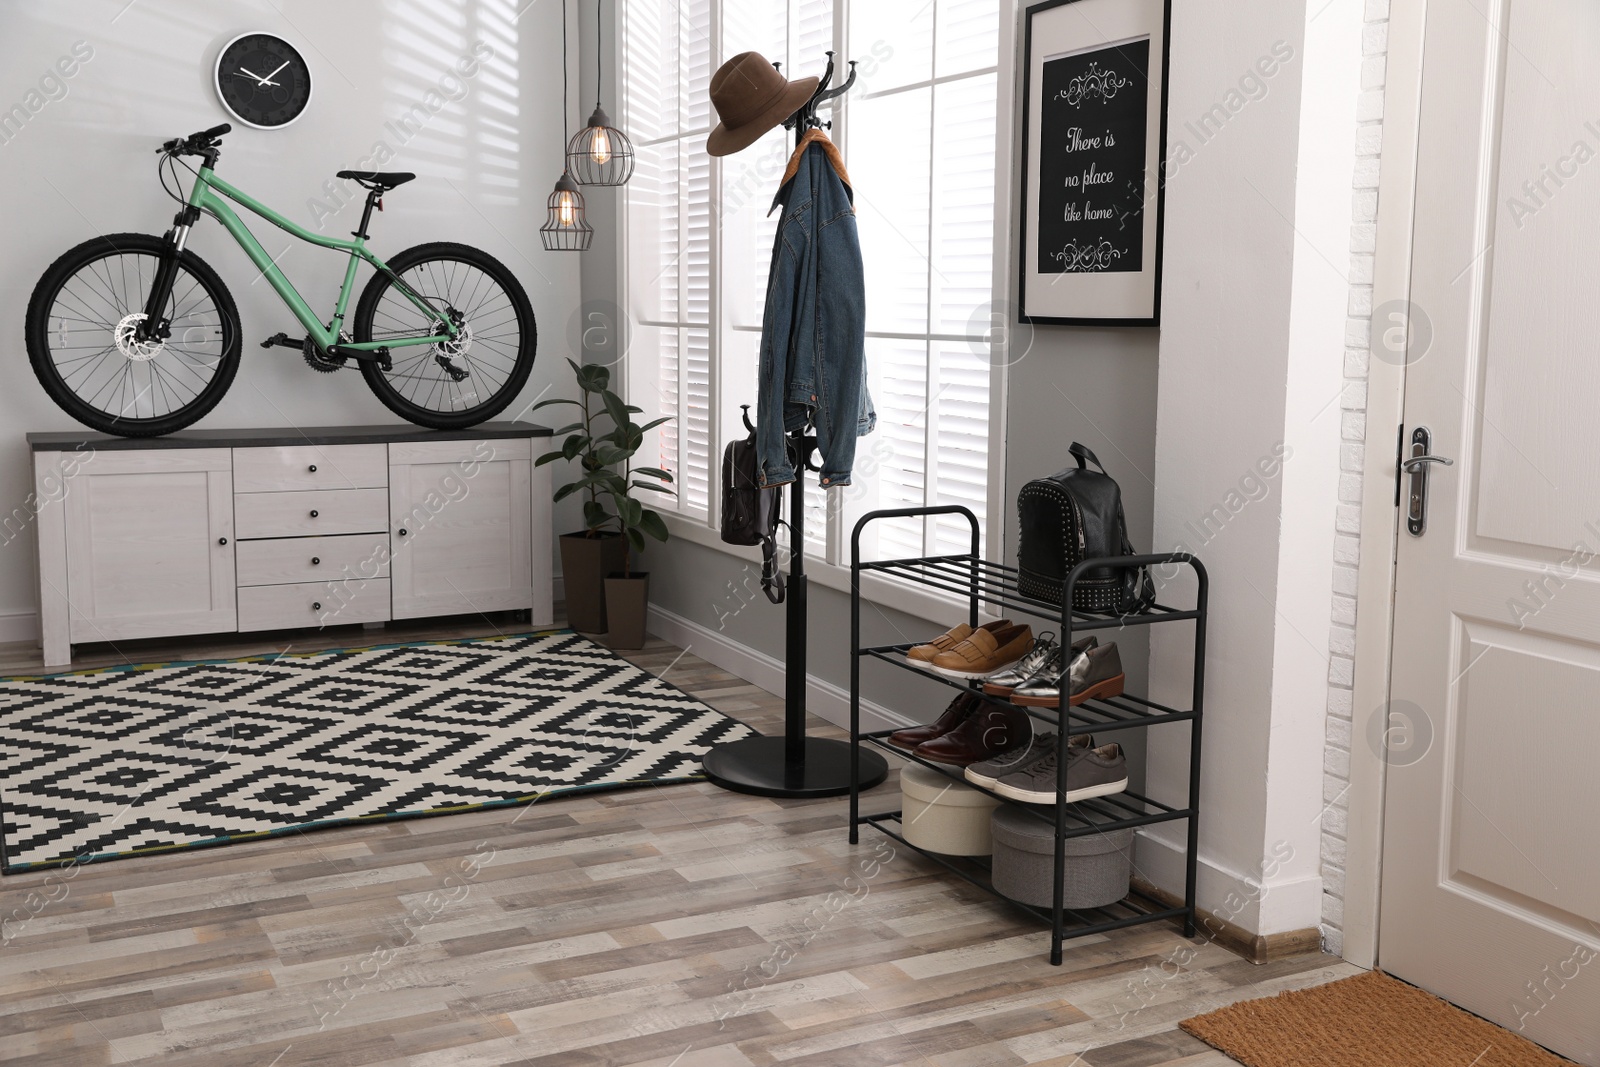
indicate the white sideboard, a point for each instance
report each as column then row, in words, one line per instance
column 212, row 531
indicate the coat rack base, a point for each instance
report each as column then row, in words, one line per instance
column 761, row 766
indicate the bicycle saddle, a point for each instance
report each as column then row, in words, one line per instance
column 379, row 179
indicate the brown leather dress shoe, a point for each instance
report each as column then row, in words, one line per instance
column 984, row 735
column 957, row 713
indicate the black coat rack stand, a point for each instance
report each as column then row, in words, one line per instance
column 795, row 765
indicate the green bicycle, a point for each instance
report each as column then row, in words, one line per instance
column 135, row 335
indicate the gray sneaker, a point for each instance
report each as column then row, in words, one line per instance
column 990, row 771
column 1091, row 772
column 1046, row 650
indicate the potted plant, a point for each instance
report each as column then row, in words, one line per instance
column 597, row 561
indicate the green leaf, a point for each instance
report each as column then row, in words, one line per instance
column 554, row 400
column 653, row 488
column 549, row 457
column 573, row 445
column 616, row 409
column 654, row 472
column 635, row 539
column 630, row 510
column 568, row 489
column 594, row 514
column 569, row 428
column 592, row 378
column 609, row 454
column 653, row 524
column 631, row 410
column 654, row 423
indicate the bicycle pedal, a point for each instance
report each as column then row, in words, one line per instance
column 281, row 340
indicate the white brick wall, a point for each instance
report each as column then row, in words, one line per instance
column 1346, row 552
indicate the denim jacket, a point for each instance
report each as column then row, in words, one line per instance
column 813, row 356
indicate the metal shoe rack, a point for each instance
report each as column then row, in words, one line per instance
column 985, row 582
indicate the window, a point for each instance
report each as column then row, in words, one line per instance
column 917, row 132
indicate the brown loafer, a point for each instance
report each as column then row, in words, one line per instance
column 948, row 640
column 959, row 710
column 992, row 730
column 984, row 653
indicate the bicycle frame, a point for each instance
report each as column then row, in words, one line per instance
column 204, row 197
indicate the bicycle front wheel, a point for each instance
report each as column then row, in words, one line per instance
column 458, row 382
column 88, row 351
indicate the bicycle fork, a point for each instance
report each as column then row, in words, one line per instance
column 155, row 325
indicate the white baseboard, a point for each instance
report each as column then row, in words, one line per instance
column 23, row 626
column 823, row 698
column 1280, row 905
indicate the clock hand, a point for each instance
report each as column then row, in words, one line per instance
column 259, row 79
column 285, row 63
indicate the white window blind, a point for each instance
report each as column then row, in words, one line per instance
column 917, row 132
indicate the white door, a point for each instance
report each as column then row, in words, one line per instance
column 1491, row 867
column 150, row 544
column 460, row 527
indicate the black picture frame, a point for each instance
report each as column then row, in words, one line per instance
column 1065, row 301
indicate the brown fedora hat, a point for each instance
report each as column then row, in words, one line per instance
column 751, row 97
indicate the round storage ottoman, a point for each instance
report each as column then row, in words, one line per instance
column 1097, row 865
column 943, row 815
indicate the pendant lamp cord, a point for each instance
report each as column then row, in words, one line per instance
column 599, row 52
column 563, row 82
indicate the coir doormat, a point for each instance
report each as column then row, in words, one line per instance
column 127, row 761
column 1360, row 1022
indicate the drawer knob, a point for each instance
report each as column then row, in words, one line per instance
column 315, row 560
column 222, row 540
column 313, row 513
column 313, row 468
column 402, row 531
column 316, row 606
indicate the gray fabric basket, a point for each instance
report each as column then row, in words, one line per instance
column 1096, row 871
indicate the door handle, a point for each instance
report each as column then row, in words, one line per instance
column 1416, row 466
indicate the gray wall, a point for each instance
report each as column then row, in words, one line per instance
column 80, row 162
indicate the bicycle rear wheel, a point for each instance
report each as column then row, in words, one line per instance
column 83, row 342
column 453, row 383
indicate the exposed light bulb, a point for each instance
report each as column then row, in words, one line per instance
column 564, row 209
column 600, row 147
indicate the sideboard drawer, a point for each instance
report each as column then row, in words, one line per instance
column 283, row 607
column 284, row 561
column 310, row 513
column 293, row 467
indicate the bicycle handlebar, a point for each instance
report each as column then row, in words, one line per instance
column 196, row 143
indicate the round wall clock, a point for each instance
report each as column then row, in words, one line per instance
column 263, row 80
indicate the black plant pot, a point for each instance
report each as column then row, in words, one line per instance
column 627, row 604
column 585, row 562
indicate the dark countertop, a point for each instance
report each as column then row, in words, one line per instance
column 274, row 437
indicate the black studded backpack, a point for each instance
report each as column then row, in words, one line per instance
column 749, row 512
column 1070, row 517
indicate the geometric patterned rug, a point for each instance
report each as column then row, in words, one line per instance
column 128, row 761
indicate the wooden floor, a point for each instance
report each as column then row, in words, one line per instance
column 666, row 926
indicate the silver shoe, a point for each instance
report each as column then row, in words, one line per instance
column 1045, row 652
column 1092, row 673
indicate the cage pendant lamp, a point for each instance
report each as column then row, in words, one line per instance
column 600, row 154
column 565, row 228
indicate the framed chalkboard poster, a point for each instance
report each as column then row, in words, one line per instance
column 1094, row 109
